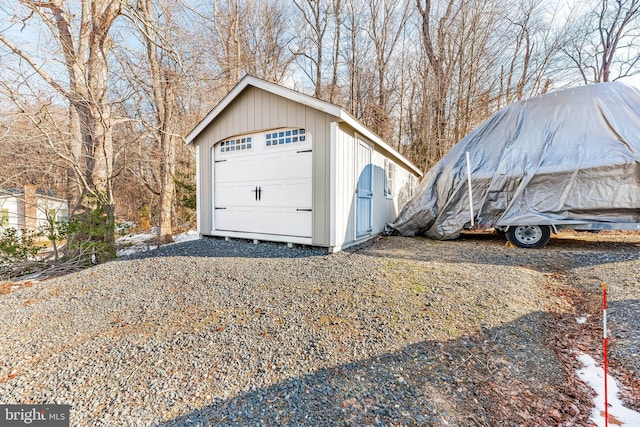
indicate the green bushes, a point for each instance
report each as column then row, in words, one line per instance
column 18, row 245
column 18, row 252
column 57, row 247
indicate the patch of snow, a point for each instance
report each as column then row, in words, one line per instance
column 185, row 237
column 125, row 252
column 134, row 249
column 593, row 376
column 581, row 320
column 135, row 238
column 124, row 225
column 139, row 242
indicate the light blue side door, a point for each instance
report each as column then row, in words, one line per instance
column 364, row 199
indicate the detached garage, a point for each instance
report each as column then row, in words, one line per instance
column 274, row 164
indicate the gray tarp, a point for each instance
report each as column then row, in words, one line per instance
column 567, row 157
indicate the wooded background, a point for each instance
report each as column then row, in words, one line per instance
column 97, row 95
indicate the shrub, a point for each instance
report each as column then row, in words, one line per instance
column 18, row 245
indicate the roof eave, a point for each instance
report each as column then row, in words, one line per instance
column 298, row 97
column 303, row 99
column 351, row 121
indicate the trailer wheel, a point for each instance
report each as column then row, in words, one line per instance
column 529, row 236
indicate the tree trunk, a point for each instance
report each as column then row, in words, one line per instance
column 74, row 172
column 167, row 192
column 437, row 57
column 164, row 101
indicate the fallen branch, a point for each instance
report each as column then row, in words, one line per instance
column 44, row 268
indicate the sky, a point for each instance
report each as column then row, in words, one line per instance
column 633, row 81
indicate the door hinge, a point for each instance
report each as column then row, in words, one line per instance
column 219, row 161
column 303, row 151
column 304, row 210
column 219, row 208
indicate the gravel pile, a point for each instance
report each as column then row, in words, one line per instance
column 400, row 332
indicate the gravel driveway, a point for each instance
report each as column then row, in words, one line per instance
column 400, row 331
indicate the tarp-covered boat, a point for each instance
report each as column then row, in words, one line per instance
column 564, row 158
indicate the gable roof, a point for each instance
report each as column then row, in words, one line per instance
column 16, row 192
column 300, row 98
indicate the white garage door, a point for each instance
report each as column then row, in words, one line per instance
column 262, row 183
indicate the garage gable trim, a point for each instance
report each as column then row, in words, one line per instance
column 273, row 88
column 301, row 98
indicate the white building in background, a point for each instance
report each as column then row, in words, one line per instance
column 30, row 208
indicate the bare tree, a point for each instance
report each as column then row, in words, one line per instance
column 437, row 46
column 530, row 49
column 249, row 37
column 30, row 135
column 269, row 35
column 315, row 21
column 473, row 66
column 357, row 53
column 337, row 34
column 605, row 41
column 387, row 23
column 227, row 46
column 82, row 34
column 155, row 26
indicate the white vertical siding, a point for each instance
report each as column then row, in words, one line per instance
column 385, row 209
column 16, row 211
column 333, row 183
column 345, row 187
column 47, row 205
column 15, row 206
column 199, row 182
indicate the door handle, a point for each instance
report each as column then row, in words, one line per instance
column 258, row 191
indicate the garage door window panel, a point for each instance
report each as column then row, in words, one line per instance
column 283, row 137
column 239, row 144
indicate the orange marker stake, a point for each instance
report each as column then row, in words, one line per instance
column 604, row 349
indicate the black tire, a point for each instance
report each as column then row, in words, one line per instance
column 529, row 236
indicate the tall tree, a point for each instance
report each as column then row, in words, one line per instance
column 437, row 45
column 249, row 37
column 604, row 45
column 155, row 24
column 315, row 21
column 82, row 33
column 387, row 23
column 530, row 47
column 30, row 135
column 356, row 53
column 337, row 34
